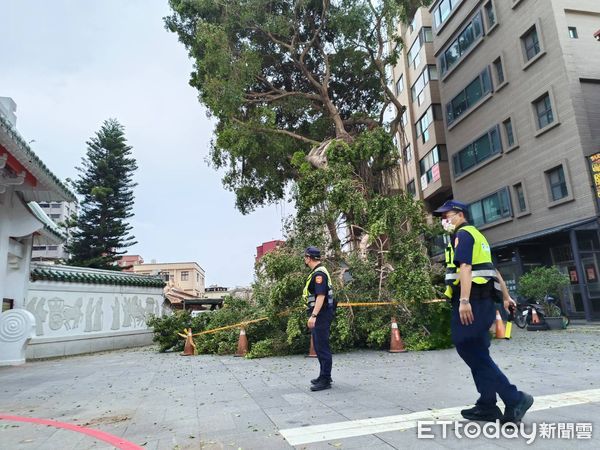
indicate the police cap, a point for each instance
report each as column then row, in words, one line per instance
column 313, row 252
column 451, row 205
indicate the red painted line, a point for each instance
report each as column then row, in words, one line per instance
column 113, row 440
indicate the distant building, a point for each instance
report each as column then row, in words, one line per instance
column 59, row 212
column 267, row 247
column 220, row 292
column 128, row 261
column 186, row 277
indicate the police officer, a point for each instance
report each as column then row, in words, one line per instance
column 473, row 285
column 318, row 295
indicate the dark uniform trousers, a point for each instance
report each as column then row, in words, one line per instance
column 320, row 335
column 472, row 343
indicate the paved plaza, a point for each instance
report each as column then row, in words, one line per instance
column 166, row 401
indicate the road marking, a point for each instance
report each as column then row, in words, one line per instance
column 113, row 440
column 362, row 427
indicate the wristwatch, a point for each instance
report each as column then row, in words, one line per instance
column 313, row 315
column 464, row 301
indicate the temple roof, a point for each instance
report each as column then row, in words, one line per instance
column 49, row 187
column 69, row 274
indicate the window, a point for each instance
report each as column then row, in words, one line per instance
column 477, row 152
column 407, row 154
column 412, row 25
column 508, row 130
column 55, row 205
column 428, row 73
column 499, row 71
column 557, row 183
column 443, row 10
column 165, row 276
column 410, row 187
column 457, row 48
column 531, row 43
column 54, row 216
column 198, row 277
column 491, row 208
column 404, row 118
column 44, row 205
column 414, row 54
column 543, row 111
column 520, row 194
column 429, row 165
column 432, row 113
column 573, row 33
column 490, row 14
column 39, row 248
column 400, row 85
column 185, row 275
column 7, row 303
column 53, row 247
column 476, row 90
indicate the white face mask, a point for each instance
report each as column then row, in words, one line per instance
column 448, row 226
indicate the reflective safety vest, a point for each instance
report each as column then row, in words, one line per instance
column 482, row 268
column 309, row 298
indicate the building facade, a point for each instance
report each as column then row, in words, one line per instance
column 187, row 277
column 519, row 84
column 424, row 169
column 59, row 212
column 267, row 247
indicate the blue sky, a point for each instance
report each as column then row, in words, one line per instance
column 69, row 65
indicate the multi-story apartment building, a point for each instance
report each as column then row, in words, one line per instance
column 519, row 84
column 188, row 277
column 424, row 169
column 59, row 212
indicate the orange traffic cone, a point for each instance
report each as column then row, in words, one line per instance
column 396, row 344
column 500, row 330
column 534, row 316
column 311, row 352
column 242, row 344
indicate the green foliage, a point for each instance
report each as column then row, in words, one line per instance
column 100, row 233
column 542, row 281
column 166, row 328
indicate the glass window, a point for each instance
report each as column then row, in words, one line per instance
column 443, row 10
column 531, row 43
column 573, row 33
column 491, row 208
column 499, row 71
column 44, row 205
column 426, row 120
column 407, row 154
column 558, row 185
column 543, row 109
column 460, row 45
column 520, row 193
column 429, row 165
column 404, row 118
column 400, row 85
column 53, row 247
column 185, row 275
column 433, row 73
column 474, row 91
column 426, row 35
column 510, row 137
column 478, row 151
column 489, row 12
column 411, row 188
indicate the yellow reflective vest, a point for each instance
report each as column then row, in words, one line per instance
column 309, row 298
column 482, row 267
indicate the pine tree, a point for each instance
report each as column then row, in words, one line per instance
column 106, row 189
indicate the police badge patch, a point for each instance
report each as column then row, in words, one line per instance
column 319, row 279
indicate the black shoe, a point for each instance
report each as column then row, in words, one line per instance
column 514, row 414
column 482, row 413
column 321, row 385
column 316, row 380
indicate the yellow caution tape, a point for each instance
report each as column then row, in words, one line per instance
column 262, row 319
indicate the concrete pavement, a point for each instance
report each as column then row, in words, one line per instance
column 166, row 401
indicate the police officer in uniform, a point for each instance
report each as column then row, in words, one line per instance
column 473, row 285
column 318, row 295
